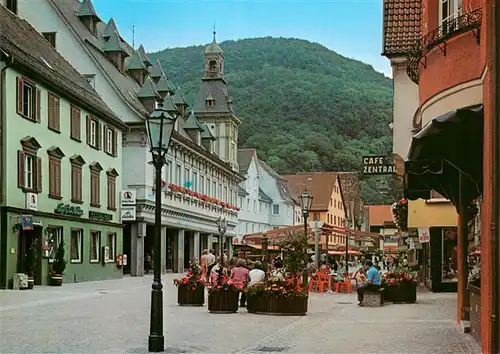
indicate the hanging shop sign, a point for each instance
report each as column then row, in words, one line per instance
column 26, row 222
column 70, row 210
column 128, row 212
column 95, row 215
column 378, row 165
column 424, row 235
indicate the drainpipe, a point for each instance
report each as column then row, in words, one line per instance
column 495, row 93
column 8, row 60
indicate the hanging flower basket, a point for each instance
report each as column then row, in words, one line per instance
column 400, row 214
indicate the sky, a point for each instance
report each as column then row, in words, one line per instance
column 352, row 28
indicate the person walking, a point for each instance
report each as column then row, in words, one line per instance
column 210, row 262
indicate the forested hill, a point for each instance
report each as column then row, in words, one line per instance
column 303, row 106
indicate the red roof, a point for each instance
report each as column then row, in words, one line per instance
column 402, row 26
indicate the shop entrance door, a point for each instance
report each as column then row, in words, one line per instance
column 28, row 238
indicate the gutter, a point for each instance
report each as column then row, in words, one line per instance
column 9, row 60
column 495, row 256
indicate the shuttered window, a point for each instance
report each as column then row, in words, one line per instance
column 53, row 112
column 95, row 185
column 76, row 128
column 93, row 132
column 77, row 163
column 54, row 177
column 111, row 184
column 28, row 99
column 29, row 171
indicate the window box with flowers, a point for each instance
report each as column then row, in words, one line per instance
column 223, row 296
column 400, row 286
column 195, row 197
column 191, row 287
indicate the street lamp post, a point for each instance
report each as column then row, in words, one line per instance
column 348, row 232
column 222, row 227
column 305, row 204
column 160, row 126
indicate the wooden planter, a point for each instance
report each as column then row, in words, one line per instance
column 223, row 301
column 190, row 298
column 277, row 305
column 56, row 280
column 406, row 292
column 475, row 312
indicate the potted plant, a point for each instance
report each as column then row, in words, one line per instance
column 223, row 296
column 286, row 294
column 58, row 267
column 400, row 286
column 191, row 287
column 32, row 255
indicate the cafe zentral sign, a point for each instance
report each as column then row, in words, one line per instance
column 378, row 165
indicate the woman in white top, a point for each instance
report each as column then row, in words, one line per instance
column 257, row 274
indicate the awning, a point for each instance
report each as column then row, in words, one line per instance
column 446, row 152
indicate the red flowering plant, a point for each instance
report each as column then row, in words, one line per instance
column 226, row 284
column 398, row 278
column 400, row 214
column 275, row 286
column 192, row 279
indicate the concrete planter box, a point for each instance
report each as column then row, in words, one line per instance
column 277, row 305
column 190, row 298
column 223, row 301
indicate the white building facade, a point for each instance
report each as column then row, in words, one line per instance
column 201, row 178
column 285, row 211
column 255, row 206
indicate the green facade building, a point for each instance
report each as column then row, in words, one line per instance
column 60, row 163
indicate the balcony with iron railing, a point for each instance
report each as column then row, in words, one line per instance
column 438, row 38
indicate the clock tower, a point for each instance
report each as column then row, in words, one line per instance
column 214, row 106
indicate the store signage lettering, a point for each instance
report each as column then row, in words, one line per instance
column 66, row 209
column 378, row 165
column 95, row 215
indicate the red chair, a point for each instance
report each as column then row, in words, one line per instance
column 318, row 282
column 346, row 285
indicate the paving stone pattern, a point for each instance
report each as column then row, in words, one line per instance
column 113, row 317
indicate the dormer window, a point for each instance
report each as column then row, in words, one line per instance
column 210, row 103
column 12, row 6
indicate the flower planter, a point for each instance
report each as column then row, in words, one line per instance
column 185, row 297
column 277, row 305
column 56, row 280
column 223, row 301
column 404, row 292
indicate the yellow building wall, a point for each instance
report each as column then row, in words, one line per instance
column 428, row 214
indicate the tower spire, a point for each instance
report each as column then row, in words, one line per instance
column 214, row 32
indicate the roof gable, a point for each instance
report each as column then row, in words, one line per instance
column 86, row 9
column 135, row 62
column 114, row 44
column 380, row 215
column 110, row 28
column 245, row 157
column 319, row 184
column 148, row 89
column 402, row 26
column 20, row 40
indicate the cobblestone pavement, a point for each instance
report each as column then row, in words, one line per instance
column 113, row 317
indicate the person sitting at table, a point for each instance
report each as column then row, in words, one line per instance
column 373, row 281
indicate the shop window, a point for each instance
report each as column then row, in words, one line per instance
column 76, row 245
column 55, row 234
column 94, row 246
column 111, row 243
column 449, row 256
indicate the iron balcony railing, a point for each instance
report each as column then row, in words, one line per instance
column 470, row 21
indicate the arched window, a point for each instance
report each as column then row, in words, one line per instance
column 212, row 65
